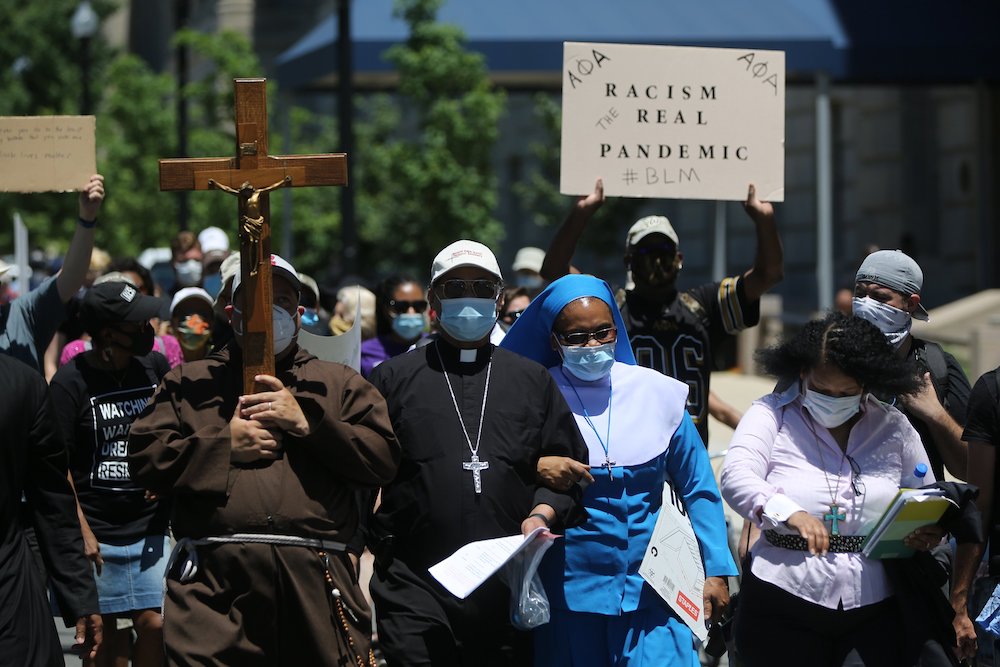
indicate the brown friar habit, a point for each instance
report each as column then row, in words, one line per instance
column 251, row 603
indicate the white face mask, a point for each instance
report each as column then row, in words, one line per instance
column 892, row 322
column 188, row 272
column 281, row 321
column 831, row 411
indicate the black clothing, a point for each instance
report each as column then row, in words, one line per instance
column 431, row 508
column 33, row 462
column 777, row 629
column 95, row 410
column 983, row 425
column 955, row 399
column 680, row 338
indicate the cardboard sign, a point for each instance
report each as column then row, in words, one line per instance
column 46, row 153
column 673, row 122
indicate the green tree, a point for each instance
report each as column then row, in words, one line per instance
column 425, row 169
column 539, row 190
column 40, row 75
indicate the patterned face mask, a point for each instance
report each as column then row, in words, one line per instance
column 195, row 333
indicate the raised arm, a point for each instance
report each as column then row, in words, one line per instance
column 768, row 264
column 559, row 256
column 77, row 261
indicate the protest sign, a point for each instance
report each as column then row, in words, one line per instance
column 673, row 122
column 46, row 153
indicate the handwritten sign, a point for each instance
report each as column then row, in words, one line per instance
column 673, row 122
column 46, row 153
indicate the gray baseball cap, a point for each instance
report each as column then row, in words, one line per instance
column 897, row 271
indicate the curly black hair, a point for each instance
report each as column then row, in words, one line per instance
column 853, row 345
column 383, row 295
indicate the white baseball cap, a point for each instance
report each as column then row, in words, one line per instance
column 529, row 258
column 213, row 239
column 190, row 293
column 651, row 224
column 464, row 253
column 279, row 267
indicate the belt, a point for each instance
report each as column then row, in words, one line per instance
column 839, row 544
column 188, row 548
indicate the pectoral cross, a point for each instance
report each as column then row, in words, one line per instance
column 833, row 517
column 608, row 463
column 477, row 467
column 250, row 176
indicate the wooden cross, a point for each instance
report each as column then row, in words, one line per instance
column 250, row 176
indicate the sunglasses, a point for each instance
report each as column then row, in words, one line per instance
column 400, row 307
column 511, row 316
column 456, row 289
column 577, row 338
column 857, row 484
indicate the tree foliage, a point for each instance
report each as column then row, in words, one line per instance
column 425, row 168
column 540, row 188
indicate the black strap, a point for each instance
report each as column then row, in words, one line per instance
column 931, row 356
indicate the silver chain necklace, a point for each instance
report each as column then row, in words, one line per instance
column 835, row 516
column 474, row 465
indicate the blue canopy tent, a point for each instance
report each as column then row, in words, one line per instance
column 522, row 41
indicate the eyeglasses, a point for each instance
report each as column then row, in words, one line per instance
column 511, row 316
column 857, row 484
column 456, row 289
column 577, row 338
column 404, row 306
column 665, row 249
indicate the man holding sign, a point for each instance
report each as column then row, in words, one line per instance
column 28, row 323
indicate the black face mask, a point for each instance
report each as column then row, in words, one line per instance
column 139, row 344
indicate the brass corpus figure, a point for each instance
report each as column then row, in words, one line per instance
column 251, row 217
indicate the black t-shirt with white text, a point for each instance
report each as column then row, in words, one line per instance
column 680, row 338
column 95, row 410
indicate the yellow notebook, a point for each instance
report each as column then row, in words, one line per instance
column 909, row 510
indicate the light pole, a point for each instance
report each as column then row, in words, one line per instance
column 84, row 26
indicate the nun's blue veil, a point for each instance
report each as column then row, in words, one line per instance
column 530, row 334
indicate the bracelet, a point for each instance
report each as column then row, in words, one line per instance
column 85, row 224
column 541, row 516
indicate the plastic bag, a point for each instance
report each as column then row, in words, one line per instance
column 529, row 606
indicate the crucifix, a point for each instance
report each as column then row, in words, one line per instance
column 477, row 467
column 608, row 463
column 834, row 518
column 250, row 176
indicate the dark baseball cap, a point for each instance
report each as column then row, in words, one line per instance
column 897, row 271
column 117, row 302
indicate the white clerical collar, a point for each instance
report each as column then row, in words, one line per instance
column 468, row 355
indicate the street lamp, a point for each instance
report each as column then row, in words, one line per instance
column 84, row 25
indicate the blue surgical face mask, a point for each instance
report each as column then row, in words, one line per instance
column 892, row 322
column 831, row 411
column 468, row 319
column 310, row 317
column 281, row 321
column 589, row 363
column 408, row 325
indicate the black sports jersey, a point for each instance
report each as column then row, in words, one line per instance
column 678, row 339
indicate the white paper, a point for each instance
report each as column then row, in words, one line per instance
column 468, row 568
column 672, row 565
column 673, row 122
column 343, row 349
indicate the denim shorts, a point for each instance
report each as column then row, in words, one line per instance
column 132, row 576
